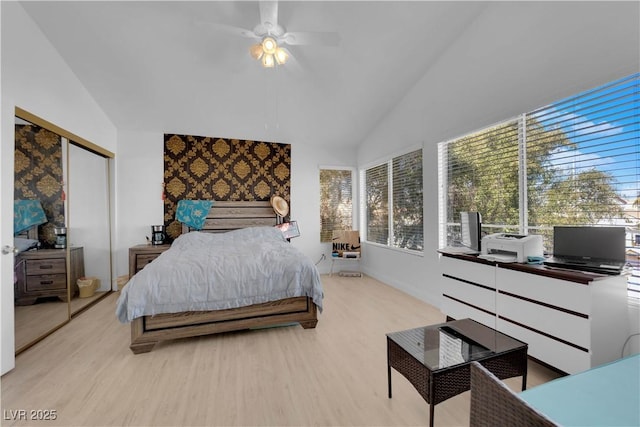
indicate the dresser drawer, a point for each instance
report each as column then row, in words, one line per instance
column 46, row 282
column 46, row 266
column 471, row 272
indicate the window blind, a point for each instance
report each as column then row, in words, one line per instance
column 583, row 157
column 408, row 231
column 377, row 204
column 336, row 201
column 392, row 213
column 482, row 175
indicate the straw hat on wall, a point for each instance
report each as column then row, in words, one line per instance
column 279, row 205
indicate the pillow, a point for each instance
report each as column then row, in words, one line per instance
column 260, row 233
column 193, row 212
column 23, row 244
column 26, row 214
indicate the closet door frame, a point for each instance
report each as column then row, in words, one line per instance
column 68, row 138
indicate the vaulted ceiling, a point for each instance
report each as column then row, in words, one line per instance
column 160, row 66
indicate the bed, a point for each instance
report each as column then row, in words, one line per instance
column 231, row 231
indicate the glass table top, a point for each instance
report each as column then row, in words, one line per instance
column 453, row 343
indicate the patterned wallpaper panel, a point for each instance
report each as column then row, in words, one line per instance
column 206, row 168
column 39, row 176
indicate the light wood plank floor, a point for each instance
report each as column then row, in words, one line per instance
column 37, row 320
column 334, row 375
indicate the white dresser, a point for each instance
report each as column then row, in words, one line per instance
column 572, row 321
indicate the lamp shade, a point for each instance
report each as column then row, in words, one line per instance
column 268, row 61
column 269, row 45
column 281, row 56
column 256, row 51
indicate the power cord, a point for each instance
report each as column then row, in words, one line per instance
column 323, row 257
column 627, row 342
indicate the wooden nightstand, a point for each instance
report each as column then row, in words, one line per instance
column 43, row 273
column 141, row 255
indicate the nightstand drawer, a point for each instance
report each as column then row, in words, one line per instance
column 46, row 282
column 143, row 259
column 46, row 266
column 141, row 255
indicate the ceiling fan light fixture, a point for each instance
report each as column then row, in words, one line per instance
column 256, row 51
column 281, row 56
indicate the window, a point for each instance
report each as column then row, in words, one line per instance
column 336, row 205
column 377, row 209
column 574, row 162
column 392, row 203
column 480, row 173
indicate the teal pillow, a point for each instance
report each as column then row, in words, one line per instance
column 193, row 212
column 26, row 214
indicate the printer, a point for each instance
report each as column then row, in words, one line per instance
column 511, row 247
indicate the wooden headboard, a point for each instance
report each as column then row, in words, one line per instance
column 226, row 216
column 29, row 233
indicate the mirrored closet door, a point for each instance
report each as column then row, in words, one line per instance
column 41, row 291
column 62, row 216
column 88, row 206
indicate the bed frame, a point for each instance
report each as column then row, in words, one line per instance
column 147, row 331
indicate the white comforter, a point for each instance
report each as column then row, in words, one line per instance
column 203, row 271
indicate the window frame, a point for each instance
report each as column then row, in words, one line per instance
column 354, row 194
column 388, row 161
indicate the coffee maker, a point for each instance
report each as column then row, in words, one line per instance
column 61, row 237
column 157, row 234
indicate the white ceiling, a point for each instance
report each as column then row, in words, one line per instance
column 153, row 66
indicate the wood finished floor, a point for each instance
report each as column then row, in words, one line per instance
column 334, row 375
column 36, row 320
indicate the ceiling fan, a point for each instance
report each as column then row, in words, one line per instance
column 272, row 36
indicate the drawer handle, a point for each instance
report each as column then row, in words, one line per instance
column 46, row 282
column 46, row 267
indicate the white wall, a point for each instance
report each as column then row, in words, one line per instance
column 36, row 79
column 139, row 178
column 515, row 57
column 306, row 161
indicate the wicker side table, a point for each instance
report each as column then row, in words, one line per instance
column 436, row 359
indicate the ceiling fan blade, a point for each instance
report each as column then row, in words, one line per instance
column 228, row 29
column 293, row 64
column 311, row 38
column 269, row 14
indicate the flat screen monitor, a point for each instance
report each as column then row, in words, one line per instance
column 470, row 230
column 604, row 243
